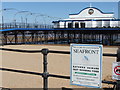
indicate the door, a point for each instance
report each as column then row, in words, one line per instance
column 82, row 25
column 76, row 25
column 70, row 25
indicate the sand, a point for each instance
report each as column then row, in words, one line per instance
column 57, row 64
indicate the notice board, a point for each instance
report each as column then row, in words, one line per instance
column 86, row 65
column 116, row 71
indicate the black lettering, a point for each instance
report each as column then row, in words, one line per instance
column 86, row 51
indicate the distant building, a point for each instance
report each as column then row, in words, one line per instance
column 90, row 17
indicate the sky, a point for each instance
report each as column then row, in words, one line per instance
column 55, row 10
column 60, row 0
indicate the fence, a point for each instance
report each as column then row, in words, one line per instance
column 23, row 25
column 104, row 36
column 46, row 74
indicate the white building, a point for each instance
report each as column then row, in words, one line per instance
column 89, row 17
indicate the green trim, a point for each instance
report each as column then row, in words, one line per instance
column 92, row 74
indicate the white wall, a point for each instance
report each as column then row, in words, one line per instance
column 88, row 24
column 118, row 23
column 96, row 15
column 105, row 23
column 56, row 25
column 94, row 24
column 114, row 23
column 61, row 24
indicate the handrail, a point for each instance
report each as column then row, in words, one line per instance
column 50, row 75
column 46, row 74
column 21, row 71
column 24, row 51
column 50, row 51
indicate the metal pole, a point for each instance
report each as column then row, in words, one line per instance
column 118, row 60
column 26, row 22
column 22, row 21
column 23, row 37
column 16, row 38
column 15, row 23
column 45, row 73
column 2, row 22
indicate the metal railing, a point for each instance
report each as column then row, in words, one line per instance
column 23, row 25
column 46, row 74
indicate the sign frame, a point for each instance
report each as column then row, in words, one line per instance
column 101, row 54
column 115, row 76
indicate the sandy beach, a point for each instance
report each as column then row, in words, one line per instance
column 58, row 64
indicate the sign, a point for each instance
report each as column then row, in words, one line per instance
column 116, row 71
column 86, row 65
column 90, row 11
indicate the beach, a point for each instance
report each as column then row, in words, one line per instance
column 58, row 64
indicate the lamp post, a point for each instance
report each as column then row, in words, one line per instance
column 44, row 17
column 26, row 19
column 21, row 16
column 6, row 9
column 38, row 16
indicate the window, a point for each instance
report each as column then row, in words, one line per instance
column 70, row 25
column 77, row 25
column 82, row 25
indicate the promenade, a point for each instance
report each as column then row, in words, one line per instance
column 57, row 64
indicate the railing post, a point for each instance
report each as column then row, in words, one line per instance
column 118, row 60
column 45, row 73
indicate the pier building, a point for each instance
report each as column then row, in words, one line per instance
column 90, row 17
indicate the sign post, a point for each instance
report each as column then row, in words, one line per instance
column 86, row 65
column 118, row 60
column 116, row 71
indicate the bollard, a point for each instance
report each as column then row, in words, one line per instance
column 45, row 73
column 118, row 60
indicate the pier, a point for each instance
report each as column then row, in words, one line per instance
column 105, row 36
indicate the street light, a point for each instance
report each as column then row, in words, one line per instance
column 38, row 16
column 28, row 15
column 46, row 17
column 6, row 9
column 21, row 16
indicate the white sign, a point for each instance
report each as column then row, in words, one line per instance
column 86, row 65
column 116, row 71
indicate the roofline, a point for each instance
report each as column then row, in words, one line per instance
column 94, row 8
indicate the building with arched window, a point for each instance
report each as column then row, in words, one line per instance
column 89, row 17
